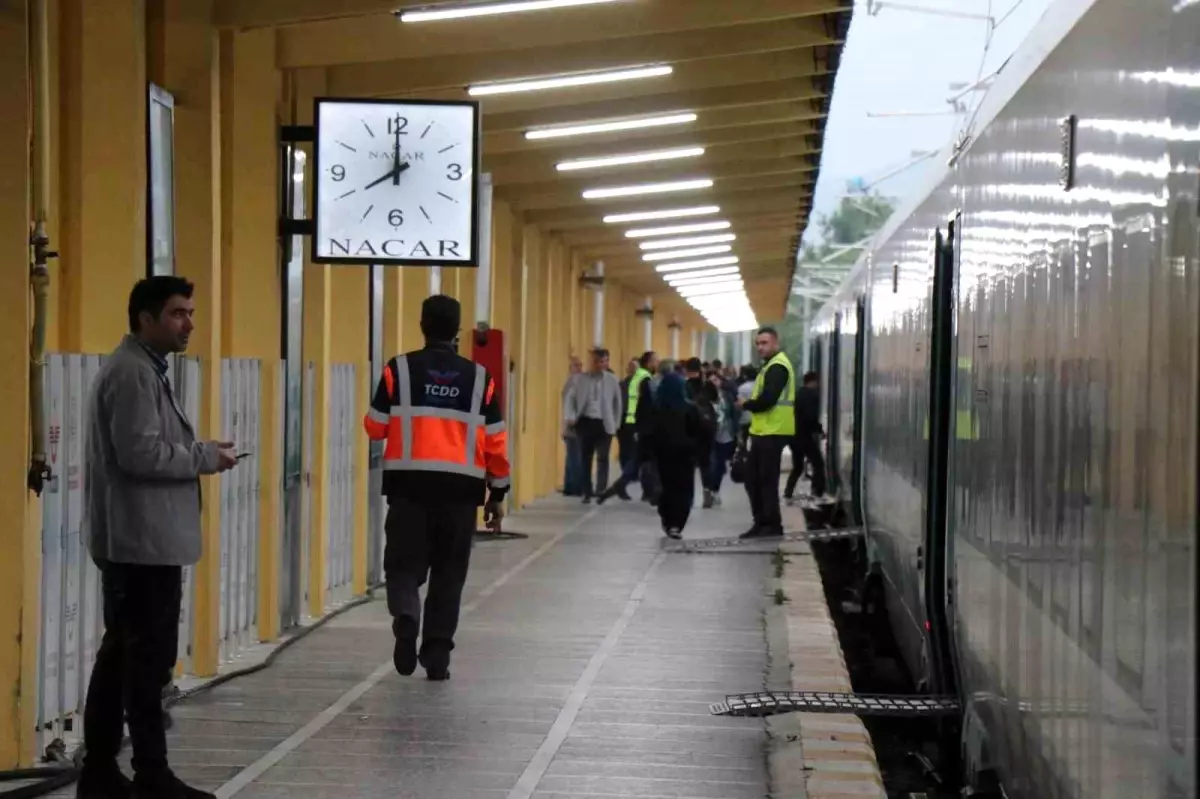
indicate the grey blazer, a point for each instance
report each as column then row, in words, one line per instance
column 141, row 468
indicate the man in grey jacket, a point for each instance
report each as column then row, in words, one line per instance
column 142, row 526
column 593, row 412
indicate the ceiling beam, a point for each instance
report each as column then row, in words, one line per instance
column 378, row 36
column 698, row 101
column 401, row 76
column 801, row 181
column 730, row 121
column 731, row 203
column 542, row 170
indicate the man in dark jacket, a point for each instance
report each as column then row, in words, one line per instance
column 704, row 396
column 806, row 445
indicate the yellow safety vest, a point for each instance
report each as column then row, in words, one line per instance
column 635, row 392
column 781, row 419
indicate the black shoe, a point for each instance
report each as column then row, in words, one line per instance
column 623, row 495
column 437, row 663
column 437, row 675
column 675, row 533
column 404, row 655
column 753, row 532
column 166, row 786
column 103, row 784
column 770, row 532
column 708, row 499
column 587, row 500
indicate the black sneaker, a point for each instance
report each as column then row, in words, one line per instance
column 166, row 786
column 623, row 495
column 708, row 499
column 587, row 500
column 404, row 655
column 103, row 784
column 753, row 532
column 437, row 664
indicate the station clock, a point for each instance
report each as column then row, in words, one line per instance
column 396, row 182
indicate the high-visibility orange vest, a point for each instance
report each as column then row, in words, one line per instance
column 444, row 430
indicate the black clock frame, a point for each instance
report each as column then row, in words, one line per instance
column 477, row 167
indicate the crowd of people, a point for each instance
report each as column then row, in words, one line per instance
column 679, row 423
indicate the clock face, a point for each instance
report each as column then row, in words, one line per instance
column 396, row 182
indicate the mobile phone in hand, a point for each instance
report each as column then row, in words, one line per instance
column 243, row 455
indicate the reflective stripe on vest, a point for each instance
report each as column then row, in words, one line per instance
column 635, row 393
column 781, row 419
column 469, row 425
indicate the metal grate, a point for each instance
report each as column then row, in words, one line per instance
column 719, row 544
column 765, row 703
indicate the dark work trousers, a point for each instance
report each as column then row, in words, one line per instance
column 595, row 445
column 134, row 664
column 629, row 460
column 427, row 541
column 806, row 447
column 573, row 468
column 678, row 492
column 762, row 480
column 719, row 463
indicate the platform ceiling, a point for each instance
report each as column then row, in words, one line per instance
column 757, row 73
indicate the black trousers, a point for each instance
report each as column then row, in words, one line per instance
column 806, row 447
column 427, row 541
column 135, row 662
column 678, row 492
column 595, row 445
column 762, row 479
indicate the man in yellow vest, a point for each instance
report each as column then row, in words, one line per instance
column 772, row 427
column 638, row 400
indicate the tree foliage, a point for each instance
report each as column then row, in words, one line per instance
column 859, row 215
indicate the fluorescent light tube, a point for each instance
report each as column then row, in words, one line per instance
column 670, row 213
column 676, row 230
column 631, row 158
column 588, row 128
column 567, row 81
column 467, row 10
column 707, row 262
column 647, row 188
column 682, row 276
column 694, row 252
column 715, row 288
column 704, row 281
column 696, row 241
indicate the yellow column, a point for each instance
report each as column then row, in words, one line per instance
column 393, row 315
column 188, row 66
column 350, row 343
column 416, row 290
column 103, row 168
column 20, row 567
column 252, row 298
column 316, row 349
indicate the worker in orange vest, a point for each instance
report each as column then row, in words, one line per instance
column 446, row 448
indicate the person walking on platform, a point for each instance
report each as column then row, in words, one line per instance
column 446, row 448
column 673, row 436
column 772, row 426
column 593, row 413
column 806, row 445
column 638, row 401
column 142, row 526
column 573, row 465
column 703, row 395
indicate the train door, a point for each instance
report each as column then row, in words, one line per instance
column 833, row 379
column 933, row 559
column 860, row 363
column 375, row 506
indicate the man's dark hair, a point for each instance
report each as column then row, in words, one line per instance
column 716, row 364
column 811, row 377
column 441, row 317
column 599, row 352
column 644, row 361
column 693, row 365
column 748, row 373
column 151, row 294
column 768, row 331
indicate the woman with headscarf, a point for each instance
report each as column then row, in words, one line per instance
column 672, row 438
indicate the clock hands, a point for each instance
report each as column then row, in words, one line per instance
column 394, row 175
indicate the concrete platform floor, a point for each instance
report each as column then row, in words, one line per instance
column 586, row 662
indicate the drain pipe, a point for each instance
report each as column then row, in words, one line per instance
column 598, row 305
column 675, row 328
column 647, row 314
column 39, row 240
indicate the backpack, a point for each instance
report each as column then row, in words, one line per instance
column 737, row 464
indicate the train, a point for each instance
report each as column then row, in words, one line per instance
column 1011, row 388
